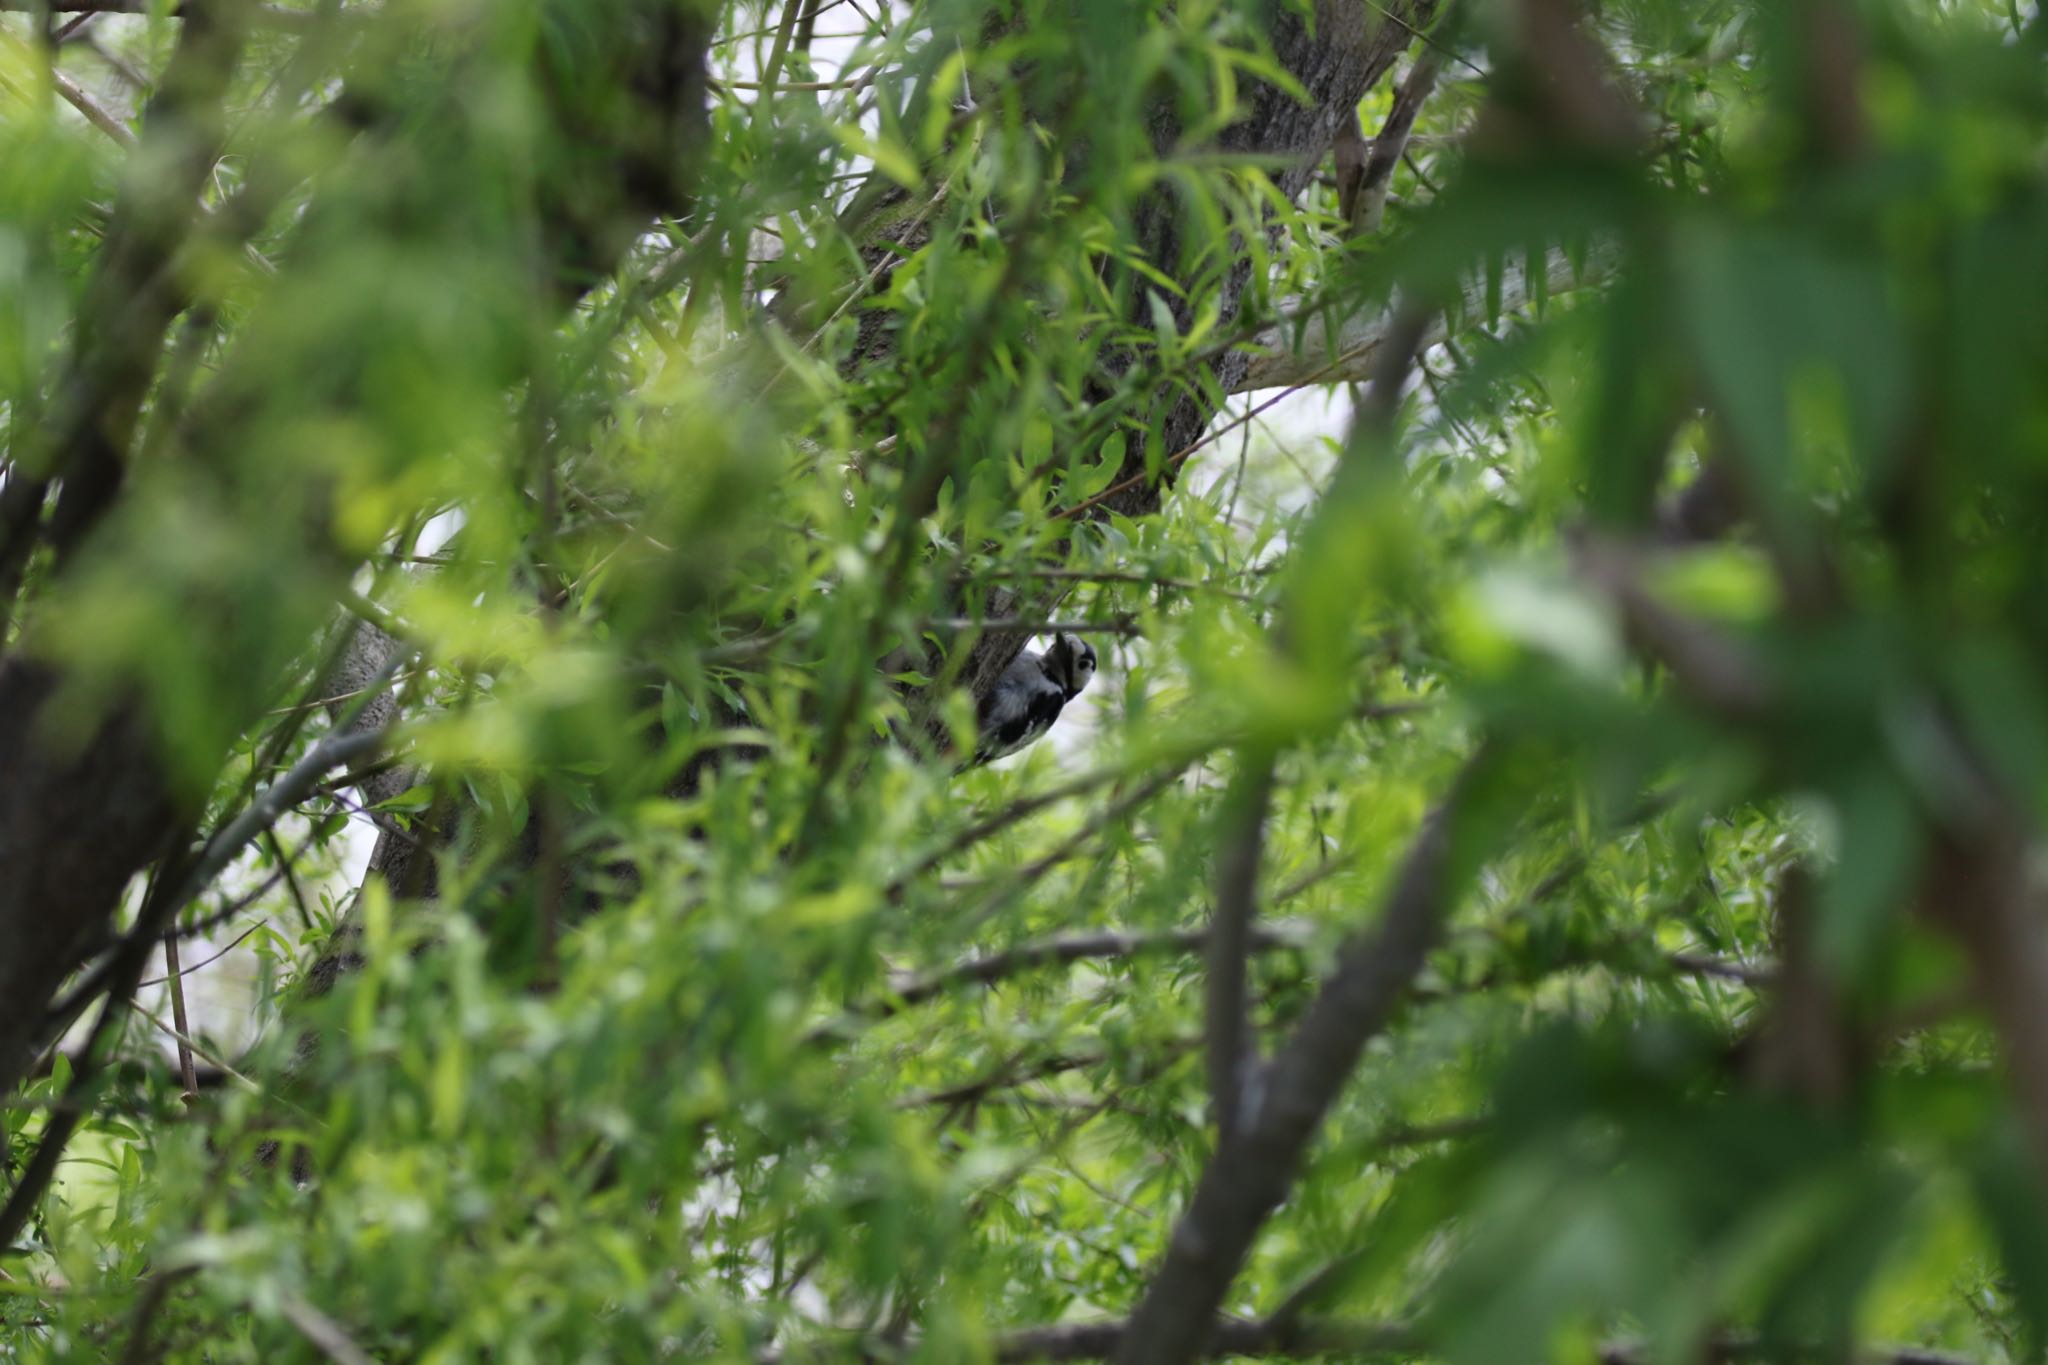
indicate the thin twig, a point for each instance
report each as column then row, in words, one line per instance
column 1112, row 817
column 1115, row 576
column 1020, row 810
column 1208, row 438
column 1125, row 625
column 175, row 978
column 95, row 113
column 233, row 944
column 187, row 1045
column 1062, row 949
column 326, row 1335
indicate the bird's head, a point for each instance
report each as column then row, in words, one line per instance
column 1071, row 663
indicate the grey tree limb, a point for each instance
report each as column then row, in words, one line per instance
column 1376, row 177
column 1251, row 1173
column 1232, row 1052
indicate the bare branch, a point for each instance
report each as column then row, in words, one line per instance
column 325, row 1334
column 1251, row 1174
column 1370, row 205
column 332, row 752
column 1231, row 1049
column 1281, row 1338
column 175, row 976
column 187, row 1047
column 1303, row 1340
column 95, row 113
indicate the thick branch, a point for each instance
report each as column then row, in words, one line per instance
column 1377, row 175
column 1279, row 1337
column 80, row 813
column 1231, row 1051
column 1301, row 1339
column 1250, row 1175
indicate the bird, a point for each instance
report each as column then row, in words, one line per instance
column 1029, row 696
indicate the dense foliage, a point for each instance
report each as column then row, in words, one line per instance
column 1549, row 870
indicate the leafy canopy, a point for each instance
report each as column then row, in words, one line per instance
column 699, row 447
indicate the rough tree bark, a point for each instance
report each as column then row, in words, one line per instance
column 82, row 813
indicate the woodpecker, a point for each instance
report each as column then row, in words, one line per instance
column 1028, row 698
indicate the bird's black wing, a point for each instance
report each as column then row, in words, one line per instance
column 1022, row 708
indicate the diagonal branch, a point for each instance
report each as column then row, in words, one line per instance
column 1250, row 1175
column 1018, row 810
column 182, row 880
column 1370, row 203
column 1265, row 1130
